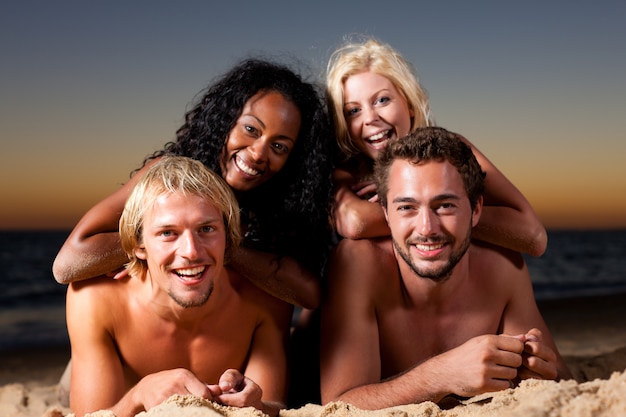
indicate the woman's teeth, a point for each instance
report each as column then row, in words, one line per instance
column 378, row 136
column 245, row 168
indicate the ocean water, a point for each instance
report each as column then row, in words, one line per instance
column 580, row 263
column 32, row 303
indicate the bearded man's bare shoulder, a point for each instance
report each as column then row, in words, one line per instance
column 493, row 257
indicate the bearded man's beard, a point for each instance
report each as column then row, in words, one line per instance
column 440, row 273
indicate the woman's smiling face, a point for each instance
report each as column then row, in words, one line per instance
column 261, row 140
column 375, row 112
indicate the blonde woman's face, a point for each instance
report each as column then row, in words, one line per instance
column 375, row 111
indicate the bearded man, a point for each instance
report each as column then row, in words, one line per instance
column 429, row 313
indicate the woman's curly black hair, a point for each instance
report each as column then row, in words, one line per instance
column 287, row 215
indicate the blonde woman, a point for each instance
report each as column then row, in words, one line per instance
column 374, row 96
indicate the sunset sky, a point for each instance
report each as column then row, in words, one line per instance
column 89, row 88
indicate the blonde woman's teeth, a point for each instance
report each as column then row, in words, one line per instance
column 378, row 136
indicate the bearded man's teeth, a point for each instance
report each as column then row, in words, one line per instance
column 429, row 247
column 190, row 272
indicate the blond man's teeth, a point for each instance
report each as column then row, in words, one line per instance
column 190, row 272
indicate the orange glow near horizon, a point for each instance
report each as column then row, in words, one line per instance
column 58, row 198
column 64, row 211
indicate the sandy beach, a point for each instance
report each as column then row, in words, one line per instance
column 590, row 333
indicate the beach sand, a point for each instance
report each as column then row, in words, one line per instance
column 590, row 333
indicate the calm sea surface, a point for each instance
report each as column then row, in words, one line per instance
column 32, row 304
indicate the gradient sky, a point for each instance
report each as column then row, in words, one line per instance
column 89, row 88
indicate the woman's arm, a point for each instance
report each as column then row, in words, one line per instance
column 354, row 217
column 93, row 247
column 281, row 276
column 508, row 219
